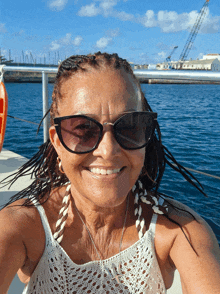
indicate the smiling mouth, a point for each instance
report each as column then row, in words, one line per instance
column 101, row 171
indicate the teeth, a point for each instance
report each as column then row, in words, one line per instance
column 104, row 171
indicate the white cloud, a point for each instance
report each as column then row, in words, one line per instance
column 107, row 4
column 167, row 21
column 105, row 8
column 148, row 20
column 55, row 46
column 171, row 21
column 89, row 10
column 108, row 39
column 211, row 24
column 162, row 54
column 57, row 4
column 77, row 41
column 65, row 42
column 103, row 42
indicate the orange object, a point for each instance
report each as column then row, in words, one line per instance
column 3, row 112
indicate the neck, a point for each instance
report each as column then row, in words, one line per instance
column 101, row 218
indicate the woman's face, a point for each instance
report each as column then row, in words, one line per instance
column 104, row 95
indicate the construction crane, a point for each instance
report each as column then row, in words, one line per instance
column 193, row 33
column 168, row 59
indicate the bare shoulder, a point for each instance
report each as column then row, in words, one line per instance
column 194, row 251
column 18, row 221
column 26, row 220
column 16, row 216
column 194, row 226
column 26, row 217
column 15, row 222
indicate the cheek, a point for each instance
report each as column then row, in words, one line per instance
column 137, row 159
column 71, row 162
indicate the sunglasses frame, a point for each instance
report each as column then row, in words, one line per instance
column 58, row 120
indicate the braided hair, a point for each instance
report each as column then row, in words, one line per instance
column 43, row 166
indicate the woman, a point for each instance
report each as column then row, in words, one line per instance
column 94, row 221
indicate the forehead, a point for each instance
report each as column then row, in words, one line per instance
column 99, row 91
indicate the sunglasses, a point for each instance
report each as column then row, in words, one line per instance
column 82, row 134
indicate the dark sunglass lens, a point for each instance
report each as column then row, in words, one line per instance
column 134, row 130
column 79, row 133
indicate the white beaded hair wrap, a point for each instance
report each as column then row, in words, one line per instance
column 141, row 195
column 63, row 214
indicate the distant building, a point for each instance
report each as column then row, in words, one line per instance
column 140, row 66
column 212, row 56
column 165, row 65
column 152, row 66
column 199, row 64
column 202, row 64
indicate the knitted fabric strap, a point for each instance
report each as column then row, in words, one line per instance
column 63, row 214
column 141, row 195
column 140, row 222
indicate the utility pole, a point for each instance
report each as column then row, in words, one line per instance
column 9, row 60
column 32, row 58
column 23, row 56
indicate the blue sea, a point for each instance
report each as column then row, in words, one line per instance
column 189, row 117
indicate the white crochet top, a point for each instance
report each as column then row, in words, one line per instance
column 132, row 271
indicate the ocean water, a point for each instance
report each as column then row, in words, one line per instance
column 189, row 117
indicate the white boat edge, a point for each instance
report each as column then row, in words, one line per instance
column 9, row 164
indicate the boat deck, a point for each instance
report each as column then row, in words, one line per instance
column 9, row 164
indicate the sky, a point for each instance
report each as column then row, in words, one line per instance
column 142, row 31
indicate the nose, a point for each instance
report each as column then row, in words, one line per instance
column 108, row 146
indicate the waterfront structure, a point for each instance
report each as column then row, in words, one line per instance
column 140, row 66
column 210, row 64
column 152, row 66
column 165, row 65
column 211, row 56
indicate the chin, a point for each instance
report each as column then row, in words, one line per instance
column 109, row 200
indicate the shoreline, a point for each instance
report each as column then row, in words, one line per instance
column 167, row 81
column 23, row 77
